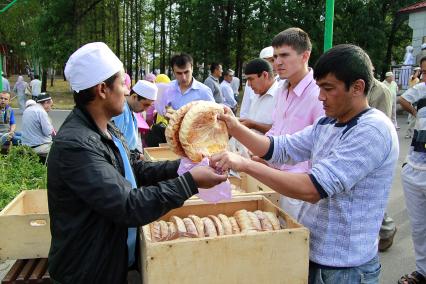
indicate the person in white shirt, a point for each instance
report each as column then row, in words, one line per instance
column 235, row 85
column 268, row 54
column 35, row 85
column 393, row 88
column 227, row 92
column 261, row 79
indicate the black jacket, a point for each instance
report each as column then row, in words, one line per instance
column 91, row 204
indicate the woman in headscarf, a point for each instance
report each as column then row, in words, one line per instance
column 19, row 90
column 409, row 61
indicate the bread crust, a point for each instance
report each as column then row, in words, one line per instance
column 244, row 221
column 234, row 224
column 201, row 134
column 227, row 226
column 273, row 219
column 264, row 221
column 190, row 227
column 180, row 225
column 198, row 224
column 155, row 230
column 209, row 227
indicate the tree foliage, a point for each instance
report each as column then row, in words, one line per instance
column 143, row 32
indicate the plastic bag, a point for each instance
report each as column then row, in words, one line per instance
column 215, row 194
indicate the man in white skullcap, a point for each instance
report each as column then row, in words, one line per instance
column 96, row 194
column 393, row 88
column 141, row 97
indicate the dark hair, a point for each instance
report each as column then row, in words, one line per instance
column 181, row 60
column 296, row 38
column 422, row 59
column 347, row 63
column 85, row 96
column 214, row 66
column 36, row 76
column 258, row 66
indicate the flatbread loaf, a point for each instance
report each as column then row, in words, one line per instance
column 172, row 130
column 209, row 227
column 274, row 220
column 164, row 229
column 190, row 227
column 155, row 229
column 244, row 221
column 234, row 224
column 201, row 134
column 180, row 225
column 198, row 224
column 227, row 227
column 218, row 225
column 264, row 221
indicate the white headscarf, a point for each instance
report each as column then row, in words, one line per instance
column 408, row 57
column 20, row 84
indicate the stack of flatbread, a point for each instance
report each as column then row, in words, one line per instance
column 195, row 132
column 193, row 226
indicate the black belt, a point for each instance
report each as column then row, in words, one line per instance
column 36, row 146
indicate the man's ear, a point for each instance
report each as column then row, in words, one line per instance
column 358, row 87
column 101, row 90
column 305, row 56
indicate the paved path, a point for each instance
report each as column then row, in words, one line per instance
column 398, row 260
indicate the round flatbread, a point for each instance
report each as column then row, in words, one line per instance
column 180, row 225
column 190, row 227
column 227, row 226
column 234, row 224
column 172, row 130
column 209, row 227
column 198, row 224
column 164, row 230
column 264, row 221
column 218, row 225
column 201, row 134
column 273, row 219
column 244, row 221
column 155, row 229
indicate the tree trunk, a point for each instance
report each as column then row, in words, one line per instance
column 391, row 40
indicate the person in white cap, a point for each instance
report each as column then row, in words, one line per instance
column 37, row 128
column 393, row 88
column 266, row 53
column 141, row 97
column 95, row 192
column 235, row 85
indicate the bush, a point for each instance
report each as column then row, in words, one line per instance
column 20, row 170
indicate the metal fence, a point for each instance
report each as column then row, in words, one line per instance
column 402, row 74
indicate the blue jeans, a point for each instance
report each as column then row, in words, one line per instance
column 367, row 273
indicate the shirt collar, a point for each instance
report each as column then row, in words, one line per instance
column 272, row 90
column 195, row 85
column 214, row 78
column 302, row 85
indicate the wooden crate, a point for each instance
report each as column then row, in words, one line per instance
column 159, row 154
column 29, row 271
column 248, row 185
column 25, row 226
column 263, row 257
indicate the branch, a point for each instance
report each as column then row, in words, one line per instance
column 80, row 17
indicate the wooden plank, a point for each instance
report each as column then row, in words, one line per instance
column 46, row 277
column 16, row 206
column 263, row 257
column 26, row 271
column 39, row 270
column 14, row 271
column 160, row 154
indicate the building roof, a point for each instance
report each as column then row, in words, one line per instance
column 414, row 8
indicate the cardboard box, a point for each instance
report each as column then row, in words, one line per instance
column 25, row 226
column 280, row 256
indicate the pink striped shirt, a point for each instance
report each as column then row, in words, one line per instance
column 294, row 110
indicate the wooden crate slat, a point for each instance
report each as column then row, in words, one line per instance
column 26, row 271
column 39, row 270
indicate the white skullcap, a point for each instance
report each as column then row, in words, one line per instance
column 146, row 90
column 423, row 46
column 30, row 103
column 90, row 65
column 267, row 52
column 388, row 74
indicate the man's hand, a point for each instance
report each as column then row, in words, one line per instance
column 169, row 112
column 230, row 120
column 206, row 177
column 227, row 160
column 259, row 160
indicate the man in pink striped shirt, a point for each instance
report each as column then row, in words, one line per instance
column 297, row 104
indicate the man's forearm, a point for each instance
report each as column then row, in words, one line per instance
column 294, row 185
column 261, row 127
column 256, row 143
column 12, row 128
column 407, row 106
